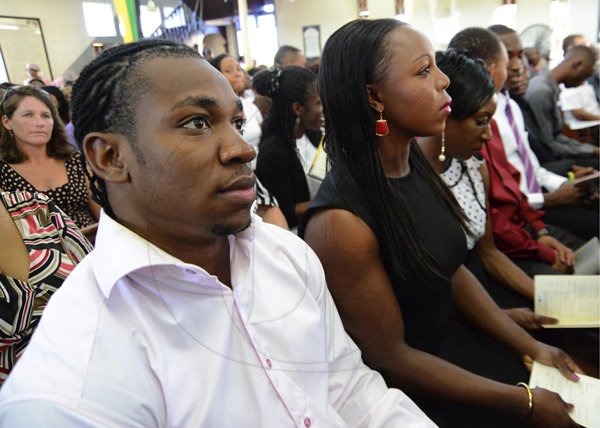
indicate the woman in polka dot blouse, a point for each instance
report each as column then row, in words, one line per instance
column 36, row 157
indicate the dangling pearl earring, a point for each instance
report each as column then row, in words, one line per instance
column 442, row 156
column 10, row 134
column 297, row 120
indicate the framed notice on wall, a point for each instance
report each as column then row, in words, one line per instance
column 22, row 42
column 312, row 41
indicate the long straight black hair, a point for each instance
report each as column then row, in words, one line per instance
column 354, row 56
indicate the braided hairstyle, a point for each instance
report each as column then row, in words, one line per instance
column 106, row 92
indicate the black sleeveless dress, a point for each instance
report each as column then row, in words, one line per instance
column 430, row 322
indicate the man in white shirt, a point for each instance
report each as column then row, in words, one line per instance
column 549, row 180
column 190, row 311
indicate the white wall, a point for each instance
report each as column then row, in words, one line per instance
column 292, row 15
column 67, row 42
column 63, row 28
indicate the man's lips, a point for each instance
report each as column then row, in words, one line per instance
column 242, row 189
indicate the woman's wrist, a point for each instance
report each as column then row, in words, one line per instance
column 529, row 398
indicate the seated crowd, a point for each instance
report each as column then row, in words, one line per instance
column 167, row 238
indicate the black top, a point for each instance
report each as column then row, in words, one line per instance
column 430, row 323
column 279, row 169
column 426, row 305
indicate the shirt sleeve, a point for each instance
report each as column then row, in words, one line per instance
column 542, row 106
column 514, row 241
column 40, row 413
column 550, row 180
column 565, row 146
column 358, row 393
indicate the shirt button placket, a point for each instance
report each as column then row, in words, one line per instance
column 307, row 422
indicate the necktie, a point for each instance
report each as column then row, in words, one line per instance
column 532, row 183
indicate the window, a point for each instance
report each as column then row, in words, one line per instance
column 150, row 20
column 99, row 19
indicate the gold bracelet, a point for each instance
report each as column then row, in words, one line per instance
column 529, row 397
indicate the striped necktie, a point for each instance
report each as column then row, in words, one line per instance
column 532, row 184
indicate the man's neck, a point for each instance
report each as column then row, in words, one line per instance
column 210, row 252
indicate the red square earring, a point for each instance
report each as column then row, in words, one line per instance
column 381, row 126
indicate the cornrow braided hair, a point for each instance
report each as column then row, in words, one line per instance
column 106, row 92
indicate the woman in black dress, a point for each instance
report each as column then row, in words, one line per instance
column 390, row 237
column 296, row 108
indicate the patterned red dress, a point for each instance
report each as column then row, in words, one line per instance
column 55, row 246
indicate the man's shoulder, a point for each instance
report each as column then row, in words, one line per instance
column 279, row 249
column 63, row 341
column 278, row 238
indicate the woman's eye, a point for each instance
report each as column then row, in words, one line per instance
column 425, row 71
column 196, row 123
column 483, row 122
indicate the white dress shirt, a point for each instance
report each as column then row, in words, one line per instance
column 547, row 179
column 581, row 97
column 138, row 338
column 252, row 127
column 306, row 153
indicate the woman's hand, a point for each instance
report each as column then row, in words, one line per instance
column 554, row 357
column 565, row 257
column 528, row 319
column 549, row 410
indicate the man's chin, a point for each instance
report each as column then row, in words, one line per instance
column 230, row 229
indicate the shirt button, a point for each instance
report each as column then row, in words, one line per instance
column 269, row 363
column 307, row 422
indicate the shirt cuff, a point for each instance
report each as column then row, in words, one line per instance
column 536, row 200
column 547, row 254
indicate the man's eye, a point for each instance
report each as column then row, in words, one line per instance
column 239, row 125
column 196, row 123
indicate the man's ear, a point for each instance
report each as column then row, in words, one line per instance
column 576, row 64
column 104, row 153
column 374, row 98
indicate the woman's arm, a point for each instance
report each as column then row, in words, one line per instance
column 477, row 306
column 368, row 306
column 495, row 262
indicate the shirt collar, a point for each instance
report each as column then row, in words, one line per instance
column 119, row 252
